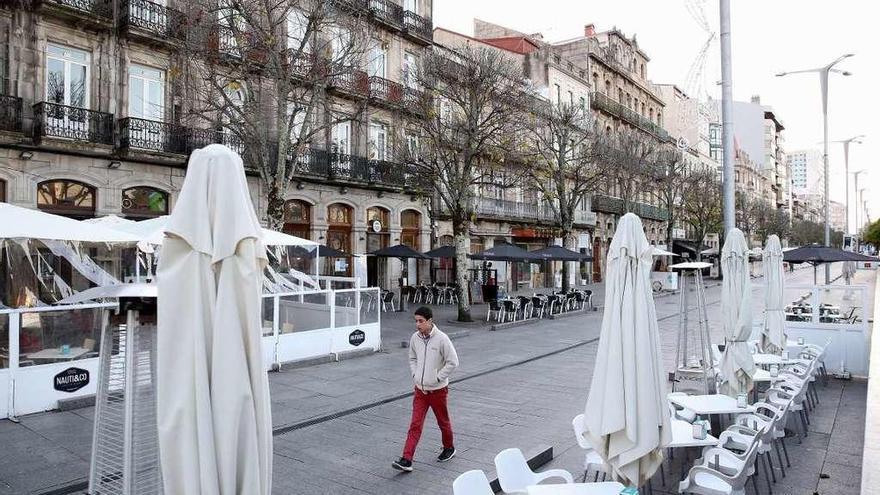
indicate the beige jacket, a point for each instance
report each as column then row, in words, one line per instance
column 431, row 360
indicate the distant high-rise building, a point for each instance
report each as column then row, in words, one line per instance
column 807, row 174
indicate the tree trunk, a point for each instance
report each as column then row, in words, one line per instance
column 275, row 205
column 570, row 242
column 461, row 234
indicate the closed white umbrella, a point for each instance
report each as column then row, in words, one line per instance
column 627, row 415
column 773, row 331
column 214, row 415
column 737, row 365
column 849, row 271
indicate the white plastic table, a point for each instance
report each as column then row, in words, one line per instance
column 603, row 488
column 710, row 404
column 683, row 436
column 55, row 353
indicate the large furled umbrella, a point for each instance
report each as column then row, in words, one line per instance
column 214, row 416
column 627, row 416
column 773, row 330
column 559, row 253
column 737, row 365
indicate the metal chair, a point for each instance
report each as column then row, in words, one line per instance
column 497, row 308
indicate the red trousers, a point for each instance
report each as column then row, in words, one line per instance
column 436, row 400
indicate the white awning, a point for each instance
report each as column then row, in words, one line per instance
column 26, row 223
column 112, row 291
column 152, row 231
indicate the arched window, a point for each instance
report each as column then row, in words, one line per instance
column 378, row 219
column 144, row 202
column 608, row 87
column 339, row 224
column 297, row 218
column 2, row 191
column 66, row 197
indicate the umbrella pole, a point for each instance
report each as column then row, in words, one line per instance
column 401, row 303
column 814, row 276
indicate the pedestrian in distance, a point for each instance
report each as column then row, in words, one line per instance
column 432, row 359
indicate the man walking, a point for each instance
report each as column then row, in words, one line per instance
column 432, row 359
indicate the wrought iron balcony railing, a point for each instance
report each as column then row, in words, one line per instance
column 350, row 81
column 617, row 206
column 386, row 91
column 387, row 11
column 78, row 124
column 418, row 26
column 163, row 137
column 10, row 113
column 153, row 17
column 96, row 8
column 601, row 101
column 500, row 208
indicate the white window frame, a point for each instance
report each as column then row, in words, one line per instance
column 378, row 141
column 378, row 64
column 297, row 25
column 341, row 143
column 145, row 80
column 410, row 65
column 69, row 57
column 411, row 6
column 230, row 19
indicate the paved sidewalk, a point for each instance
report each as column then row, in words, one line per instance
column 341, row 424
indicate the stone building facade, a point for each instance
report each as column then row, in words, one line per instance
column 93, row 122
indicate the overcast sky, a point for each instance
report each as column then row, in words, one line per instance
column 767, row 37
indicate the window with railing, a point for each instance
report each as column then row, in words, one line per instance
column 66, row 122
column 155, row 17
column 98, row 8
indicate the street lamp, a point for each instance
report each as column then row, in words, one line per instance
column 823, row 83
column 846, row 143
column 858, row 199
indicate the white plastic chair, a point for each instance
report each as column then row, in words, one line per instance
column 729, row 476
column 515, row 476
column 592, row 459
column 472, row 483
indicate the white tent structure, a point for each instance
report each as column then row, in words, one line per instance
column 737, row 365
column 773, row 330
column 26, row 223
column 627, row 414
column 108, row 221
column 214, row 416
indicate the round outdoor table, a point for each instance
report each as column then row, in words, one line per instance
column 603, row 488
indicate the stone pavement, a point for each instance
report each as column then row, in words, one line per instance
column 339, row 425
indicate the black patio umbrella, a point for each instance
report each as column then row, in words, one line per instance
column 398, row 251
column 559, row 253
column 441, row 252
column 504, row 251
column 816, row 254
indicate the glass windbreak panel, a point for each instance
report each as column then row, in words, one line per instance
column 268, row 315
column 4, row 341
column 303, row 313
column 59, row 336
column 841, row 305
column 798, row 304
column 370, row 306
column 346, row 309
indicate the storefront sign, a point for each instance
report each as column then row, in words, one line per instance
column 376, row 226
column 71, row 380
column 356, row 338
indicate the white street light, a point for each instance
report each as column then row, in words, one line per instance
column 846, row 143
column 823, row 83
column 857, row 192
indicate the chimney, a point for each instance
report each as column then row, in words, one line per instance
column 590, row 30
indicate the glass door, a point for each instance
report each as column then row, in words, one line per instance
column 146, row 100
column 67, row 83
column 341, row 143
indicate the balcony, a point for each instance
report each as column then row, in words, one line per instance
column 163, row 137
column 349, row 168
column 153, row 20
column 418, row 28
column 10, row 113
column 52, row 120
column 514, row 211
column 617, row 206
column 582, row 217
column 98, row 12
column 387, row 12
column 386, row 92
column 350, row 81
column 352, row 6
column 601, row 101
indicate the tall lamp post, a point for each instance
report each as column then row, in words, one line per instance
column 858, row 199
column 823, row 83
column 846, row 143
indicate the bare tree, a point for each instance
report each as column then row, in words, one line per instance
column 466, row 138
column 701, row 204
column 770, row 220
column 259, row 72
column 630, row 157
column 748, row 210
column 565, row 148
column 670, row 174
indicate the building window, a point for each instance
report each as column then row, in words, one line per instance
column 583, row 103
column 378, row 141
column 571, row 98
column 410, row 66
column 410, row 223
column 67, row 76
column 341, row 45
column 378, row 56
column 643, row 70
column 297, row 27
column 146, row 93
column 659, row 119
column 608, row 88
column 66, row 197
column 558, row 94
column 231, row 25
column 411, row 6
column 619, row 95
column 144, row 202
column 339, row 220
column 340, row 136
column 297, row 218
